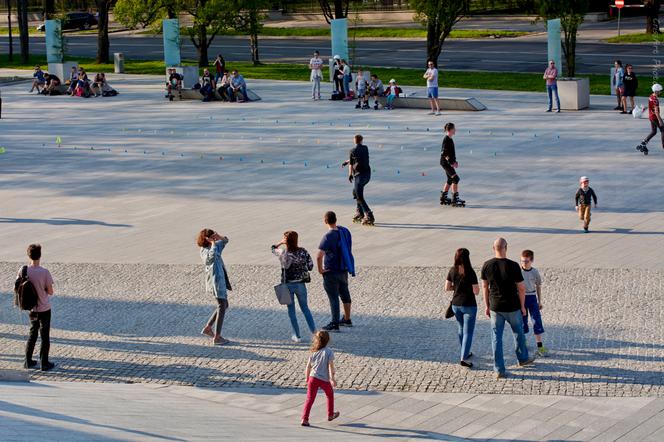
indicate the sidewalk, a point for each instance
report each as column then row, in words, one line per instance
column 120, row 412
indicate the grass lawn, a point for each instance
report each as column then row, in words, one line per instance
column 637, row 38
column 405, row 77
column 31, row 31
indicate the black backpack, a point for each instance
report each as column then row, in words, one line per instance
column 25, row 294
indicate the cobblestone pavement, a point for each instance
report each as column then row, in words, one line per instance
column 140, row 323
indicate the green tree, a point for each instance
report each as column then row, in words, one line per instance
column 139, row 14
column 250, row 16
column 570, row 13
column 652, row 16
column 439, row 17
column 334, row 9
column 210, row 17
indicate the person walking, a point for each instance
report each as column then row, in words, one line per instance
column 582, row 201
column 216, row 281
column 359, row 174
column 316, row 66
column 504, row 296
column 431, row 76
column 296, row 263
column 320, row 373
column 335, row 261
column 618, row 83
column 655, row 119
column 40, row 315
column 551, row 77
column 462, row 280
column 449, row 164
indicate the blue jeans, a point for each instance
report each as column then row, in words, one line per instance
column 359, row 181
column 232, row 96
column 465, row 317
column 347, row 81
column 515, row 320
column 299, row 290
column 532, row 307
column 550, row 89
column 336, row 286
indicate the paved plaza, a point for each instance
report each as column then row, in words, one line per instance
column 118, row 202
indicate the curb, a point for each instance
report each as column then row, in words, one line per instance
column 9, row 375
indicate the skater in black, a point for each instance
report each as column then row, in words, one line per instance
column 655, row 119
column 359, row 173
column 449, row 163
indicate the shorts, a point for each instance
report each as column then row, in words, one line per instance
column 532, row 307
column 361, row 92
column 432, row 92
column 447, row 167
column 621, row 90
column 629, row 93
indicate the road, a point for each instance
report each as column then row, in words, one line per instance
column 503, row 55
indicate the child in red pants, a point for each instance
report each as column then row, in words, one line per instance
column 320, row 374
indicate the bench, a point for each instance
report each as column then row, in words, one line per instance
column 446, row 104
column 194, row 94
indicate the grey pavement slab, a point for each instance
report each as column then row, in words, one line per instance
column 70, row 411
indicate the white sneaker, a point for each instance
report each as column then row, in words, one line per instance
column 296, row 339
column 437, row 114
column 431, row 113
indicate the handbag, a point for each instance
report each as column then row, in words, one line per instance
column 282, row 291
column 306, row 277
column 449, row 313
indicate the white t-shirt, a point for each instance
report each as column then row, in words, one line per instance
column 316, row 65
column 532, row 280
column 434, row 80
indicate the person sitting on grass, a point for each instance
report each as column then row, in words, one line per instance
column 207, row 85
column 238, row 85
column 72, row 81
column 392, row 92
column 376, row 89
column 174, row 83
column 52, row 85
column 224, row 85
column 39, row 80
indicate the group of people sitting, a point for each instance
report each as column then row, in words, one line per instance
column 231, row 86
column 365, row 88
column 78, row 84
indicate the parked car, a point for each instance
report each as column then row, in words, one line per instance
column 75, row 20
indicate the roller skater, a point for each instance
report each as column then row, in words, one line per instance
column 359, row 174
column 655, row 119
column 449, row 164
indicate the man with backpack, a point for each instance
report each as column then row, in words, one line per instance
column 33, row 287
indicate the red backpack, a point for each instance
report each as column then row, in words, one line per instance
column 25, row 294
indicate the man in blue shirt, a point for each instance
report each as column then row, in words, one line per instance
column 238, row 85
column 335, row 262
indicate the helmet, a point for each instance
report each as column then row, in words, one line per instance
column 583, row 179
column 656, row 87
column 336, row 57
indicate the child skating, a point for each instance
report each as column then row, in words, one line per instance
column 449, row 163
column 584, row 196
column 655, row 119
column 320, row 374
column 533, row 303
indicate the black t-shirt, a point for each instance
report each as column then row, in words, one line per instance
column 359, row 159
column 631, row 83
column 447, row 150
column 502, row 275
column 463, row 287
column 175, row 77
column 52, row 78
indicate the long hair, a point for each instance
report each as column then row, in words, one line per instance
column 320, row 340
column 291, row 240
column 462, row 262
column 202, row 239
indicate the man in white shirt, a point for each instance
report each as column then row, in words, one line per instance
column 431, row 76
column 316, row 65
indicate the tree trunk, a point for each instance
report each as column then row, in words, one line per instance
column 22, row 10
column 9, row 26
column 103, row 44
column 202, row 46
column 569, row 49
column 433, row 42
column 339, row 9
column 253, row 43
column 652, row 16
column 48, row 9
